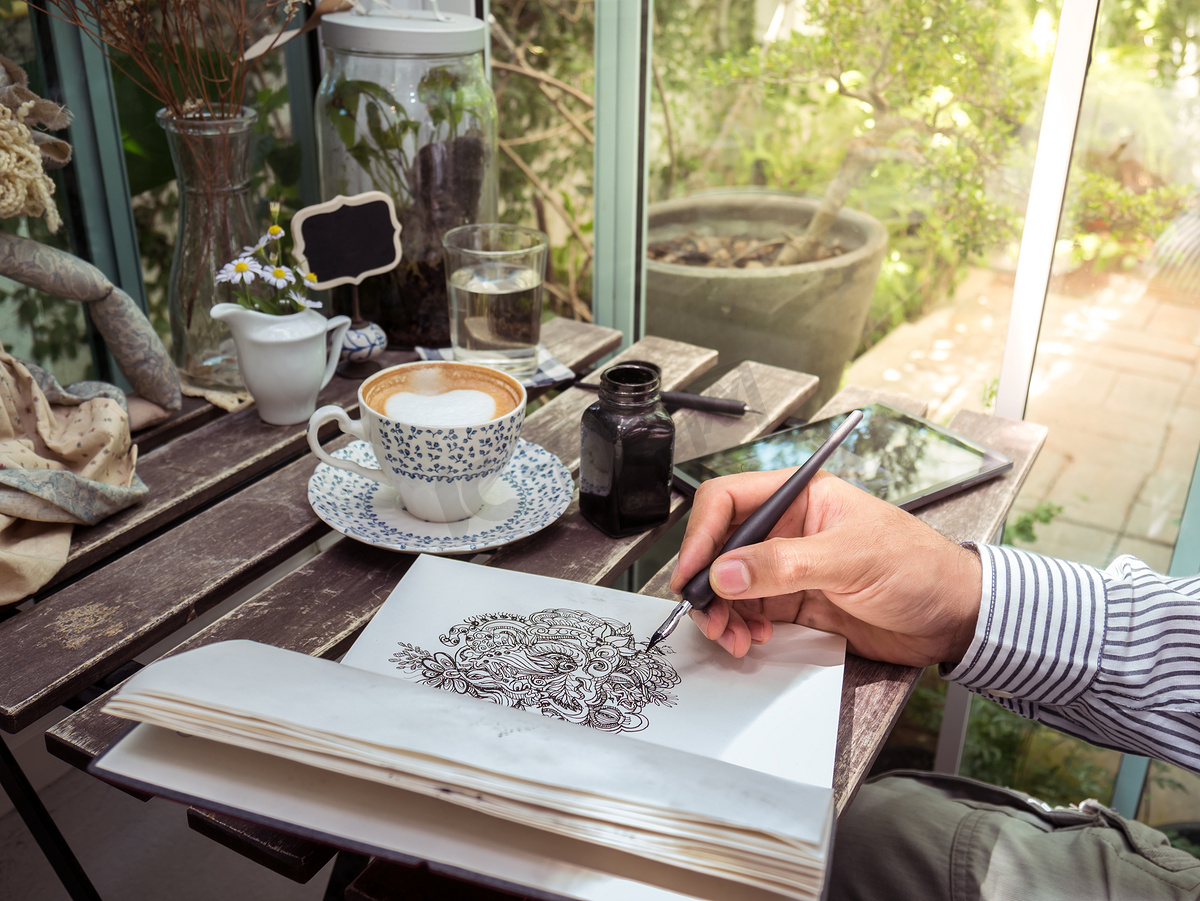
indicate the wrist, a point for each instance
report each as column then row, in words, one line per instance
column 967, row 585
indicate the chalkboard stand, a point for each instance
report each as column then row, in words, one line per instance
column 345, row 240
column 357, row 369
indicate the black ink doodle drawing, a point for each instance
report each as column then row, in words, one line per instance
column 568, row 664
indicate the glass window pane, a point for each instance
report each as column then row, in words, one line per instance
column 542, row 74
column 1114, row 373
column 842, row 181
column 34, row 326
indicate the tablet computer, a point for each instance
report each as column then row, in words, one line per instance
column 901, row 458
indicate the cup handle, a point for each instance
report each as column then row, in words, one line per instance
column 353, row 427
column 338, row 325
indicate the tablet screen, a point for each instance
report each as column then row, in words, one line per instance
column 894, row 455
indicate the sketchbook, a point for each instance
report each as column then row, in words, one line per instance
column 517, row 728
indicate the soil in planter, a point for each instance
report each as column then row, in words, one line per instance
column 729, row 251
column 410, row 303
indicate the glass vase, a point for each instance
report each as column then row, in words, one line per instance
column 212, row 165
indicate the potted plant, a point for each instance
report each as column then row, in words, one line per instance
column 927, row 97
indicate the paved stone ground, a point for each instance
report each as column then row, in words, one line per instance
column 1116, row 380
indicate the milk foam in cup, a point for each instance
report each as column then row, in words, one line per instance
column 442, row 432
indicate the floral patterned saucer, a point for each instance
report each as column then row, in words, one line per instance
column 533, row 491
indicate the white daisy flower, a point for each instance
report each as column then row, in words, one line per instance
column 278, row 276
column 250, row 249
column 303, row 302
column 274, row 233
column 241, row 271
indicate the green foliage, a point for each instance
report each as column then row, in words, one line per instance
column 56, row 326
column 543, row 79
column 1008, row 750
column 382, row 149
column 385, row 148
column 903, row 109
column 275, row 159
column 926, row 704
column 1022, row 528
column 1117, row 226
column 988, row 395
column 1182, row 842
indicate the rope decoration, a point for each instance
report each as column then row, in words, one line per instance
column 26, row 150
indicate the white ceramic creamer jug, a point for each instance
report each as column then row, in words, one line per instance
column 284, row 360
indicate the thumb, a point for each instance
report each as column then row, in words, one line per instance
column 774, row 567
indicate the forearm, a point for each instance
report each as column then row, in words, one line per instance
column 1109, row 656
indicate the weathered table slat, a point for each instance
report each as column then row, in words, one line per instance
column 194, row 413
column 190, row 471
column 575, row 344
column 299, row 859
column 222, row 454
column 84, row 631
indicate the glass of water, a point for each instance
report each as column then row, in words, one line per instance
column 494, row 274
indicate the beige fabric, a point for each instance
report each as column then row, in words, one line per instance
column 61, row 464
column 228, row 399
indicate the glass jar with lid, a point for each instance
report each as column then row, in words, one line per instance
column 405, row 107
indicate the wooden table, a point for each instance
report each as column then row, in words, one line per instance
column 228, row 505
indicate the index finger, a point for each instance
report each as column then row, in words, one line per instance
column 719, row 505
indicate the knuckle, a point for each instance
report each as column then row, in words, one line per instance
column 785, row 560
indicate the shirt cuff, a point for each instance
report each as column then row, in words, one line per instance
column 1040, row 631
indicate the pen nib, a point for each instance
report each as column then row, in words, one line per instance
column 663, row 631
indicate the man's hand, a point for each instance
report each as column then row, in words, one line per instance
column 840, row 561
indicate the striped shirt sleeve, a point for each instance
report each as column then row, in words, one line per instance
column 1111, row 656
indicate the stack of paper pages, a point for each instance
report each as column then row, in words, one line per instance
column 662, row 793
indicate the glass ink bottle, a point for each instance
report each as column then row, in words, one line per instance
column 627, row 444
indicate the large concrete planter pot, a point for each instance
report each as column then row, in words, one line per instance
column 808, row 317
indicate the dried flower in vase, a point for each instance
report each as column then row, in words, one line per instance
column 189, row 53
column 262, row 282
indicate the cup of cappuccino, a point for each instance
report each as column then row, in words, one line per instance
column 442, row 432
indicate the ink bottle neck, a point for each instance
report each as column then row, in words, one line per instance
column 630, row 387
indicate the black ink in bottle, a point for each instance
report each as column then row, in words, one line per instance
column 627, row 444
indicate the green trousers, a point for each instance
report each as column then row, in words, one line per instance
column 915, row 836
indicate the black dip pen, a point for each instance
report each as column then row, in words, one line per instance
column 726, row 406
column 698, row 594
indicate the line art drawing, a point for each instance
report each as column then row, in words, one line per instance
column 567, row 664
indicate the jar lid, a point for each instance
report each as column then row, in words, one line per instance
column 417, row 33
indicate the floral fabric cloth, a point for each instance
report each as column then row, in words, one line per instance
column 66, row 458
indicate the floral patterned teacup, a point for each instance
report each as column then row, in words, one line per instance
column 442, row 432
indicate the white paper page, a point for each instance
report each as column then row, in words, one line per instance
column 364, row 816
column 775, row 710
column 361, row 708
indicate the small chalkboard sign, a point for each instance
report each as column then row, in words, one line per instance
column 346, row 239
